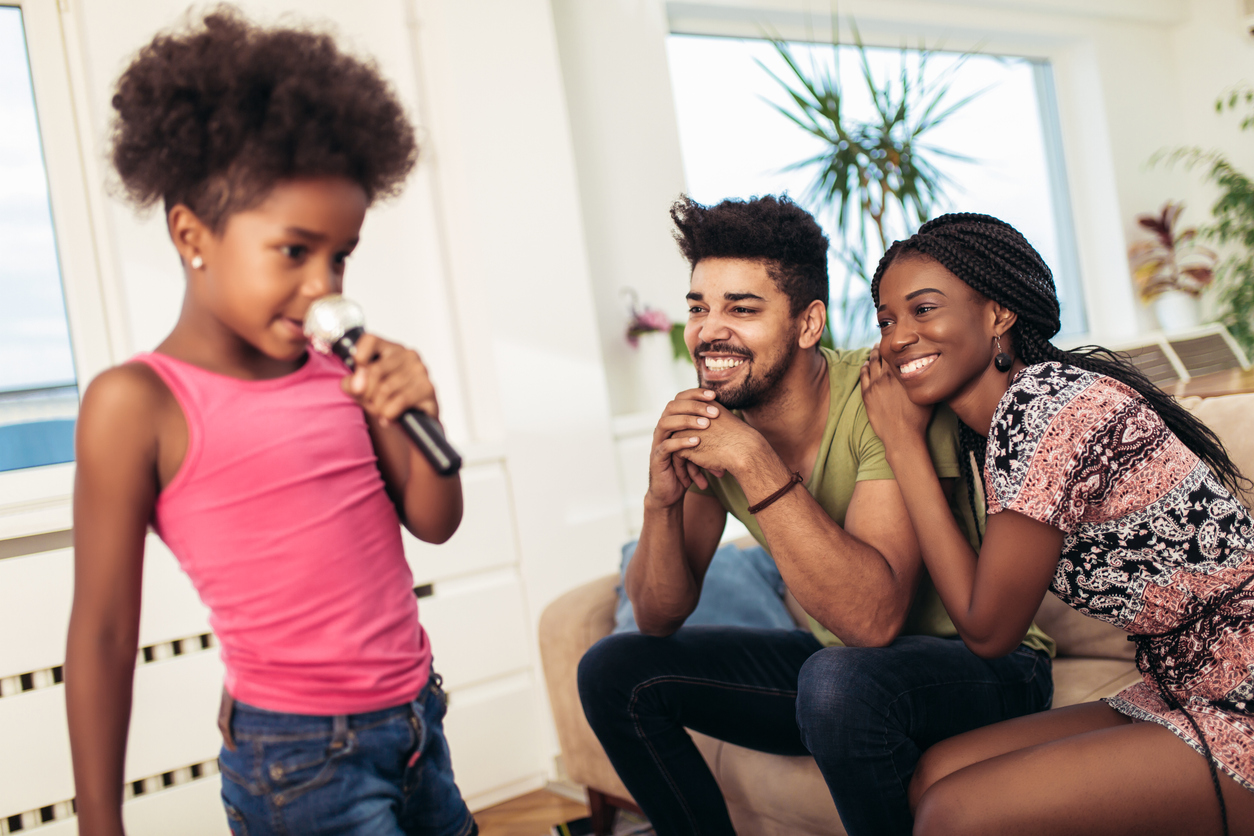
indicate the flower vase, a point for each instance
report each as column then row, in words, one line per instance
column 654, row 372
column 684, row 374
column 1177, row 310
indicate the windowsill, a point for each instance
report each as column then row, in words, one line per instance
column 36, row 500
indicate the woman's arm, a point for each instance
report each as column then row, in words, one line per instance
column 115, row 487
column 389, row 380
column 991, row 600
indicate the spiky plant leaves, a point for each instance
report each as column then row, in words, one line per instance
column 871, row 175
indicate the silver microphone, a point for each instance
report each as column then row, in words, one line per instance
column 334, row 324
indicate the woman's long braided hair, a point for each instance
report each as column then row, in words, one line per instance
column 993, row 258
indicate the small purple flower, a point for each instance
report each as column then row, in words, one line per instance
column 646, row 321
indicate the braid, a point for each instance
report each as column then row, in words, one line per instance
column 994, row 259
column 971, row 443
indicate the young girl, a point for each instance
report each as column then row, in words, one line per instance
column 275, row 478
column 1100, row 487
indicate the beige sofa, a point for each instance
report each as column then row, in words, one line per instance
column 772, row 795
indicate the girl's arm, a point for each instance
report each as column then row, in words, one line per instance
column 390, row 379
column 991, row 600
column 114, row 491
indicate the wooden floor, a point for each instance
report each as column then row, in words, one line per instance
column 528, row 815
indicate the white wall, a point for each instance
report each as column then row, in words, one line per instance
column 1212, row 52
column 626, row 147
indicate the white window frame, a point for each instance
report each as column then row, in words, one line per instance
column 37, row 500
column 1084, row 152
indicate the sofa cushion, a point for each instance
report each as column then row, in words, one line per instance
column 742, row 588
column 771, row 795
column 1079, row 635
column 1229, row 417
column 1086, row 680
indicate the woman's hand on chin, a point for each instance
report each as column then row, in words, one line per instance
column 894, row 417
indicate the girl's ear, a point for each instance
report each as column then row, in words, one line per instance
column 189, row 234
column 1003, row 318
column 813, row 321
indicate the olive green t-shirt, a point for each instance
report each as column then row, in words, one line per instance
column 851, row 452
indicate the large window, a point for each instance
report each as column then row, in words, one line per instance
column 38, row 386
column 736, row 144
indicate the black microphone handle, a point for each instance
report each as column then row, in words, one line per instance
column 423, row 430
column 429, row 438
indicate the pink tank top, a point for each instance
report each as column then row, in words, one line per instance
column 278, row 515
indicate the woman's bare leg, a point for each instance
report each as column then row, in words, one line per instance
column 962, row 750
column 1116, row 778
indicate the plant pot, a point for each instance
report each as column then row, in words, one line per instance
column 654, row 372
column 1177, row 311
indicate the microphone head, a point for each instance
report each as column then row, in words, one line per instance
column 330, row 318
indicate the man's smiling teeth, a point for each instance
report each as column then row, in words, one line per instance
column 718, row 364
column 917, row 365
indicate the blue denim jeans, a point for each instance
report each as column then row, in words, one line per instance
column 865, row 714
column 381, row 773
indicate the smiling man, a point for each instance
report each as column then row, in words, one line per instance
column 777, row 435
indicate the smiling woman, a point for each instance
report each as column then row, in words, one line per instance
column 38, row 386
column 1101, row 489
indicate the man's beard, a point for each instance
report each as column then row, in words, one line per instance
column 754, row 390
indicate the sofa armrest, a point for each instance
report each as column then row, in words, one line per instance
column 568, row 627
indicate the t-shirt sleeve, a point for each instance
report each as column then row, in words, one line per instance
column 1048, row 449
column 942, row 442
column 868, row 449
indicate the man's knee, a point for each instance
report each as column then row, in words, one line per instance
column 836, row 695
column 611, row 670
column 601, row 670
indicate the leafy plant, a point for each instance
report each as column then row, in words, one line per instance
column 1234, row 222
column 877, row 179
column 1171, row 260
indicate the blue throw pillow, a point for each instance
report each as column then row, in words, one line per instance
column 742, row 588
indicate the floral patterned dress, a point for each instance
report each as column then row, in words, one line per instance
column 1154, row 545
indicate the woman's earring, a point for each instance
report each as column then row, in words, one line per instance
column 197, row 262
column 1003, row 361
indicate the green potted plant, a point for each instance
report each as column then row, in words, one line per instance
column 1233, row 227
column 874, row 180
column 1171, row 269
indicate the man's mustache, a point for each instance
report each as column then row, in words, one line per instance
column 721, row 348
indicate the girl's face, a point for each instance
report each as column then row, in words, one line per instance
column 269, row 263
column 936, row 333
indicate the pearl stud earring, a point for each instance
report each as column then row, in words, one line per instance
column 197, row 262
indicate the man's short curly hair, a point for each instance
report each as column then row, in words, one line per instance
column 215, row 115
column 770, row 229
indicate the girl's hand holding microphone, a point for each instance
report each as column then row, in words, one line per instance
column 390, row 379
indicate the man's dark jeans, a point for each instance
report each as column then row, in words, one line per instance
column 865, row 714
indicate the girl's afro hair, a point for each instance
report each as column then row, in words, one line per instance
column 214, row 115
